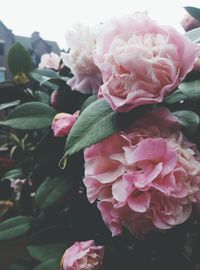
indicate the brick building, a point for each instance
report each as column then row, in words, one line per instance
column 34, row 44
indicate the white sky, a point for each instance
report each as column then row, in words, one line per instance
column 53, row 18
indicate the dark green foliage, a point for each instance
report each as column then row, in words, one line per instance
column 188, row 119
column 29, row 116
column 46, row 252
column 48, row 265
column 51, row 191
column 19, row 60
column 15, row 227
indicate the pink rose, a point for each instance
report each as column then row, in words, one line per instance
column 83, row 256
column 140, row 61
column 50, row 60
column 63, row 122
column 145, row 178
column 188, row 22
column 87, row 77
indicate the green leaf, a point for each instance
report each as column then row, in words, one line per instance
column 19, row 59
column 51, row 191
column 45, row 76
column 49, row 265
column 88, row 101
column 175, row 97
column 95, row 123
column 188, row 119
column 13, row 174
column 42, row 97
column 191, row 89
column 9, row 104
column 32, row 115
column 50, row 234
column 15, row 266
column 194, row 12
column 46, row 252
column 186, row 90
column 14, row 227
column 194, row 35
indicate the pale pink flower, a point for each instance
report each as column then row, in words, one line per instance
column 144, row 178
column 17, row 184
column 87, row 77
column 62, row 123
column 50, row 60
column 83, row 256
column 140, row 61
column 188, row 22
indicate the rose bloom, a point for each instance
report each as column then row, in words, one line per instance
column 87, row 77
column 83, row 256
column 141, row 62
column 63, row 122
column 188, row 22
column 50, row 60
column 144, row 178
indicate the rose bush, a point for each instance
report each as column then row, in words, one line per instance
column 120, row 154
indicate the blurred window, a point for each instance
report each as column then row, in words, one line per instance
column 2, row 74
column 2, row 43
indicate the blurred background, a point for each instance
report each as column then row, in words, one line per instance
column 53, row 18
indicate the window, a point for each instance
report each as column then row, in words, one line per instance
column 2, row 47
column 2, row 74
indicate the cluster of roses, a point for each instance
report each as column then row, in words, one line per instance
column 146, row 177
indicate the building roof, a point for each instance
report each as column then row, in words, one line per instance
column 9, row 31
column 27, row 43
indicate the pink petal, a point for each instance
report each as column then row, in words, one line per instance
column 140, row 203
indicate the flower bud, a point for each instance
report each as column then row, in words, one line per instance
column 63, row 122
column 83, row 256
column 189, row 23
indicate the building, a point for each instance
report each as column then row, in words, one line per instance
column 34, row 44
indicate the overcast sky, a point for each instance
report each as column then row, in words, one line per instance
column 53, row 18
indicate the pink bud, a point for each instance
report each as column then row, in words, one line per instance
column 63, row 122
column 83, row 256
column 189, row 23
